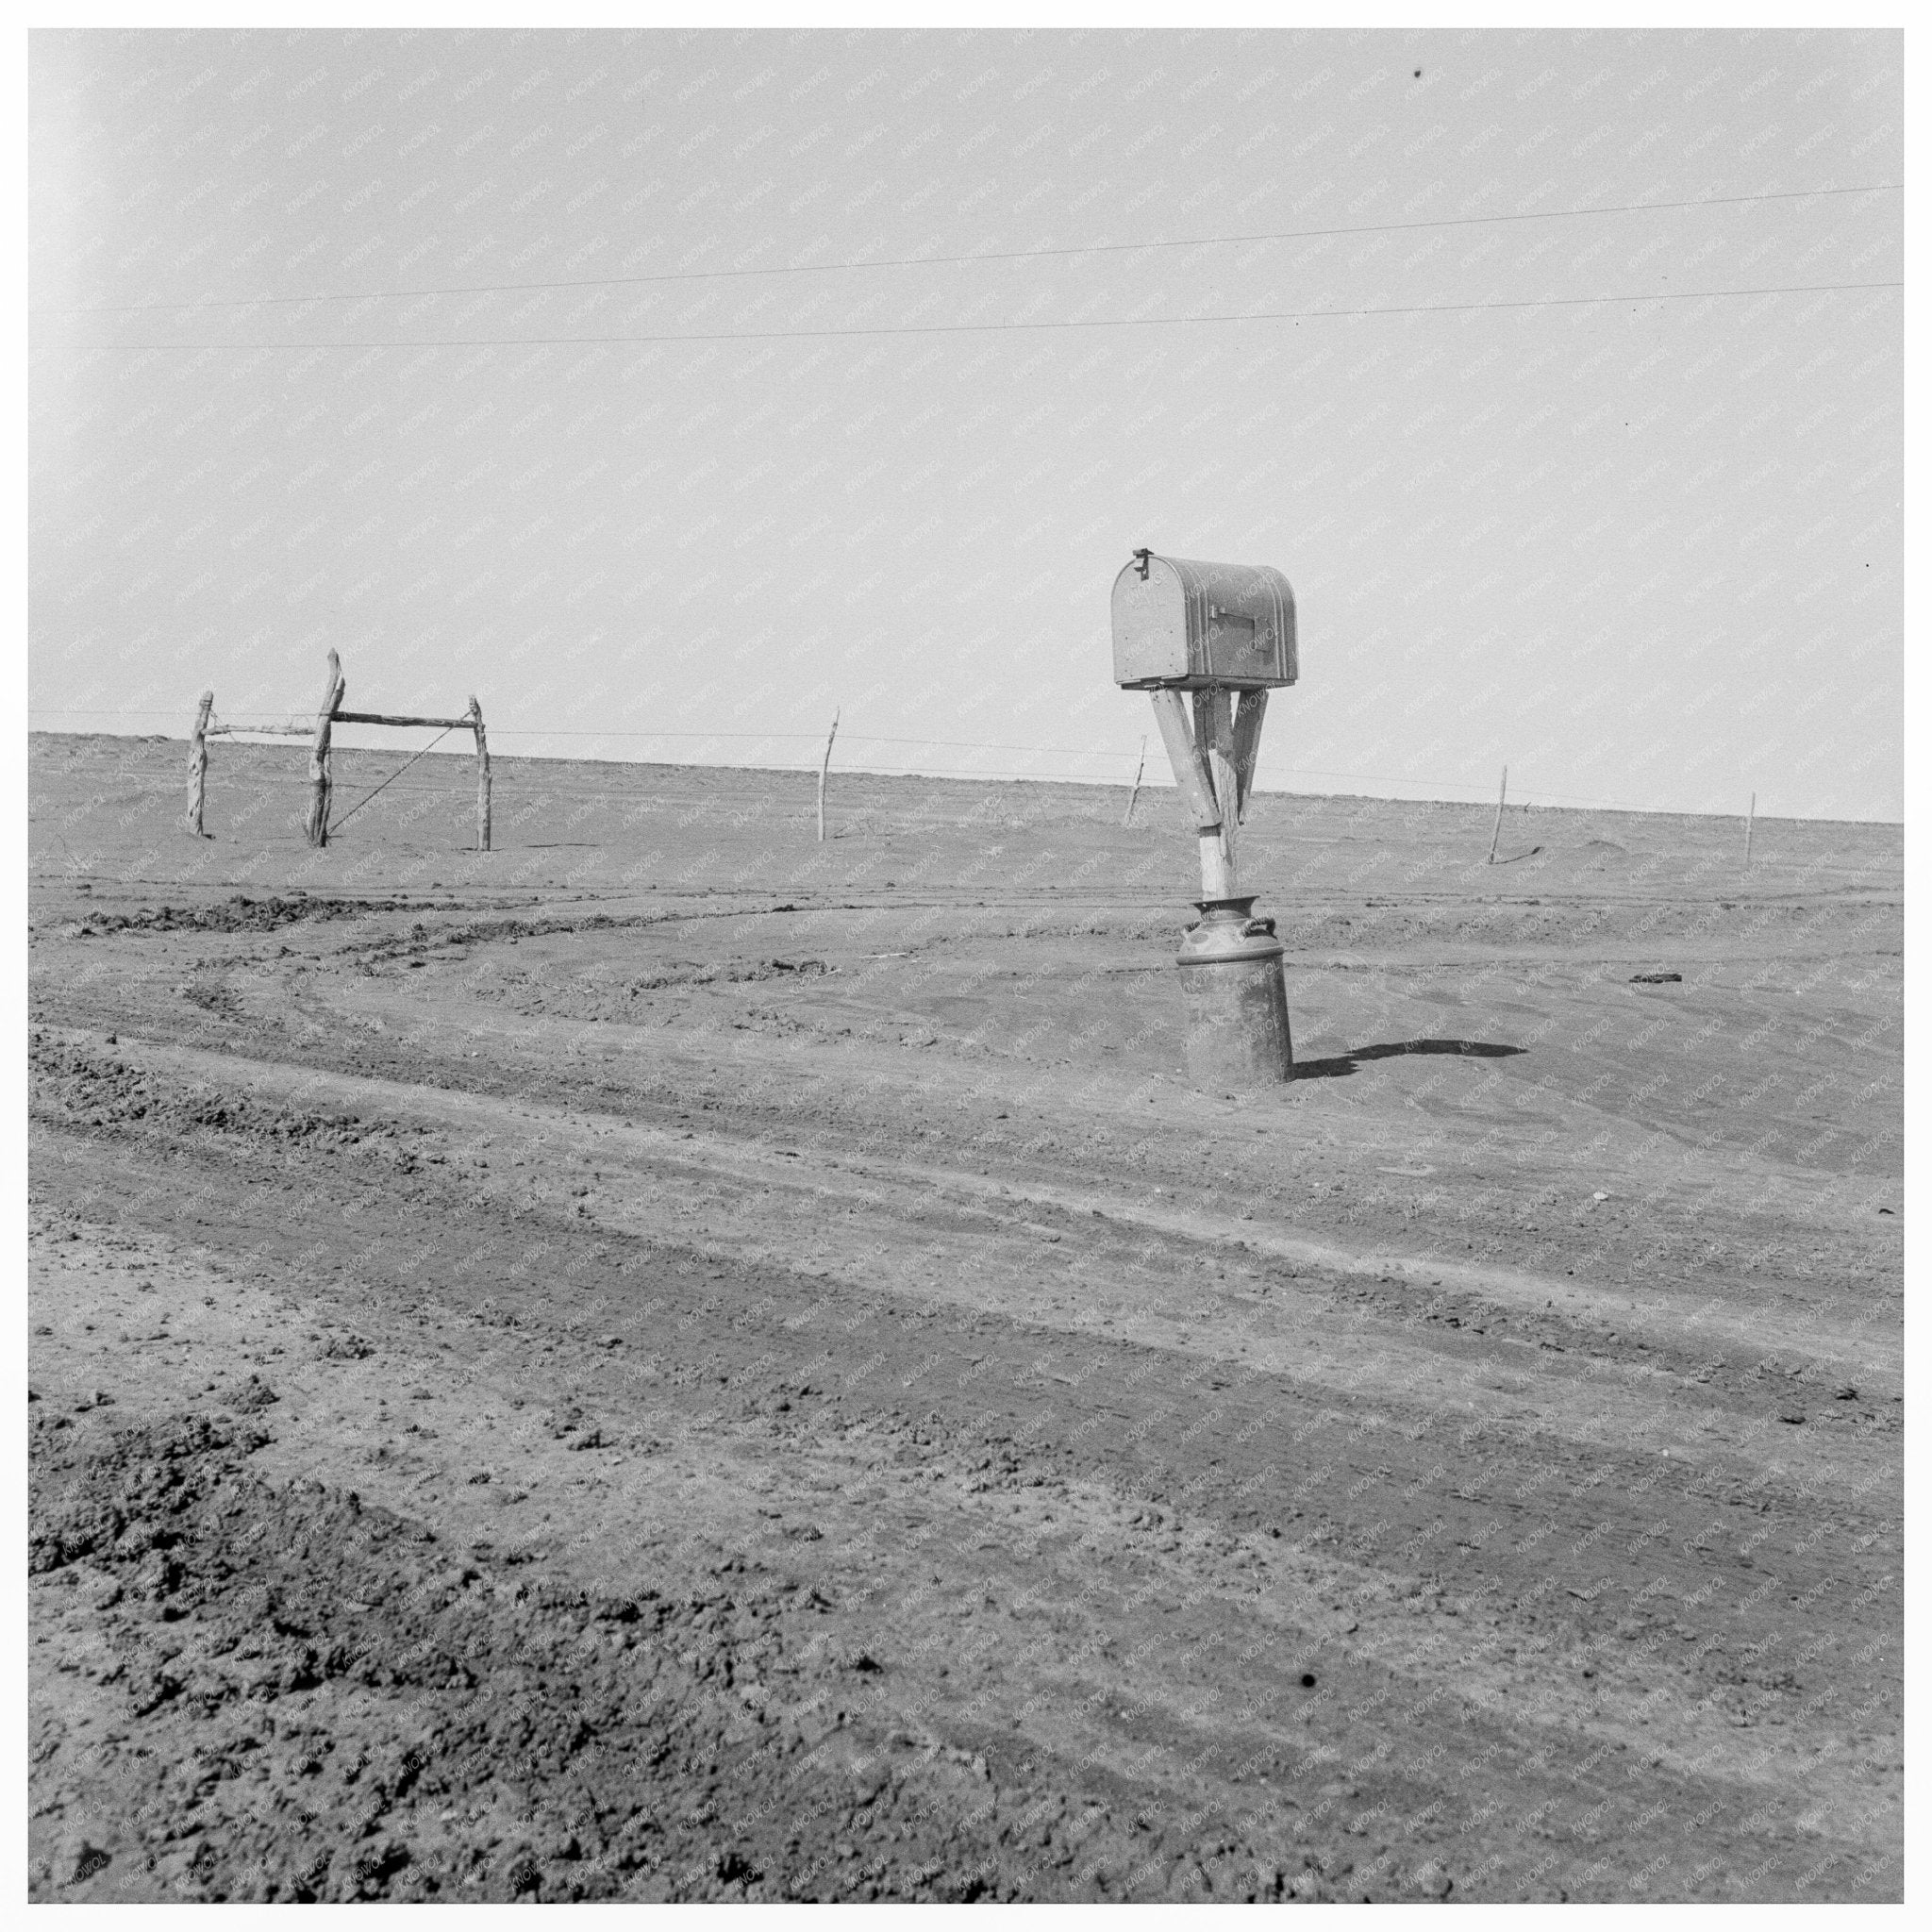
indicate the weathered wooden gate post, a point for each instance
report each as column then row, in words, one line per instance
column 319, row 757
column 482, row 775
column 197, row 765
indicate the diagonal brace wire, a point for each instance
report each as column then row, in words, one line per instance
column 392, row 778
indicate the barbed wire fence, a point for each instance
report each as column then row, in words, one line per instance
column 1093, row 770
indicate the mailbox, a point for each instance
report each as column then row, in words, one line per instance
column 1188, row 627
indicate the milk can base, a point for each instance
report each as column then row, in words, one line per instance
column 1237, row 1034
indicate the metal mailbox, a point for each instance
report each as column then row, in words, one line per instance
column 1181, row 626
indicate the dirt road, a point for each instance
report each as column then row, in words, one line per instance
column 673, row 1360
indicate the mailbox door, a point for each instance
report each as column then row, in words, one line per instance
column 1150, row 627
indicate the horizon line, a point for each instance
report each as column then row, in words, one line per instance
column 1164, row 782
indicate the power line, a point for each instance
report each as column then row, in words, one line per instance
column 954, row 260
column 957, row 329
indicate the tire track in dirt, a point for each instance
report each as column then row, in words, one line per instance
column 1157, row 1427
column 1187, row 1662
column 750, row 1166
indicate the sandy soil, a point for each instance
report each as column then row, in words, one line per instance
column 672, row 1360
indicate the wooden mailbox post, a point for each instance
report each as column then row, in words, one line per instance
column 1224, row 635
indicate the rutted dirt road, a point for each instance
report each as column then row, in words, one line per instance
column 552, row 1380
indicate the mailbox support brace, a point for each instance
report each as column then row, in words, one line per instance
column 1206, row 767
column 1190, row 767
column 1247, row 745
column 1191, row 773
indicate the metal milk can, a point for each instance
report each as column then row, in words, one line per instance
column 1235, row 999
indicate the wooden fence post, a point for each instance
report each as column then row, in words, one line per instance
column 1498, row 832
column 1136, row 792
column 826, row 766
column 197, row 765
column 319, row 758
column 1750, row 823
column 482, row 776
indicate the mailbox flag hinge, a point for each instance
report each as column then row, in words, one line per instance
column 1142, row 557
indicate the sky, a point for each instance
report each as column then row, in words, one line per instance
column 636, row 383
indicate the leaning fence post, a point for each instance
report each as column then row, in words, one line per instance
column 824, row 766
column 1136, row 792
column 197, row 764
column 1750, row 820
column 319, row 774
column 482, row 775
column 1501, row 795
